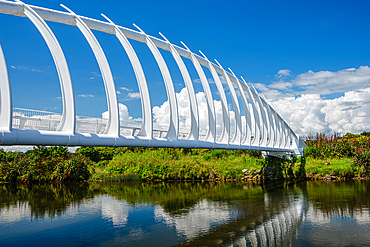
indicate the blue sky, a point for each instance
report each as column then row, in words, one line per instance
column 311, row 54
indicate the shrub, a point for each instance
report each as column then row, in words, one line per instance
column 89, row 152
column 105, row 153
column 362, row 162
column 73, row 169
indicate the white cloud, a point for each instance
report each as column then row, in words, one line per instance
column 27, row 68
column 118, row 92
column 283, row 73
column 281, row 85
column 304, row 103
column 198, row 220
column 161, row 113
column 197, row 80
column 86, row 95
column 123, row 113
column 327, row 82
column 310, row 113
column 134, row 95
column 125, row 89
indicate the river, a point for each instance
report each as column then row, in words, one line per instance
column 186, row 214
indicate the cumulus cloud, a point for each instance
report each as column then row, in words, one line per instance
column 162, row 118
column 302, row 101
column 123, row 113
column 281, row 85
column 310, row 102
column 328, row 82
column 310, row 113
column 283, row 73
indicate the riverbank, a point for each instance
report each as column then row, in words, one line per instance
column 326, row 158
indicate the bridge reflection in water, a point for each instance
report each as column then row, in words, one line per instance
column 277, row 231
column 163, row 214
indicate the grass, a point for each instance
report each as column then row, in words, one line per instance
column 177, row 164
column 340, row 167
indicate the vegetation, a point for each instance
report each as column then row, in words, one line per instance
column 326, row 157
column 43, row 164
column 175, row 164
column 333, row 155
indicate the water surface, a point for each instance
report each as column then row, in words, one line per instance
column 192, row 214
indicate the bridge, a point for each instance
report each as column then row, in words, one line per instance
column 263, row 129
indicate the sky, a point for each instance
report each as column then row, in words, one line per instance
column 310, row 59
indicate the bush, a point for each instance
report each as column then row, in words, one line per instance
column 362, row 162
column 73, row 169
column 105, row 153
column 89, row 152
column 2, row 155
column 37, row 167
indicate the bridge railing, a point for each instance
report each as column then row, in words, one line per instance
column 264, row 128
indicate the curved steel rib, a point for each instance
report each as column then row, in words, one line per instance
column 257, row 125
column 173, row 130
column 211, row 134
column 248, row 122
column 194, row 115
column 238, row 122
column 263, row 141
column 225, row 135
column 68, row 121
column 5, row 96
column 271, row 130
column 147, row 126
column 112, row 127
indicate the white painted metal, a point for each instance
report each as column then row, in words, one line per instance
column 248, row 122
column 270, row 132
column 194, row 115
column 278, row 130
column 6, row 108
column 238, row 121
column 211, row 134
column 264, row 125
column 67, row 124
column 173, row 131
column 112, row 127
column 257, row 124
column 225, row 134
column 147, row 126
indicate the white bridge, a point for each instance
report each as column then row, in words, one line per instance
column 264, row 129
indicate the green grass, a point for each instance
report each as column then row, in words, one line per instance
column 178, row 164
column 341, row 167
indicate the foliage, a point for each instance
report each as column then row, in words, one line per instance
column 362, row 162
column 89, row 152
column 335, row 146
column 169, row 164
column 105, row 153
column 45, row 164
column 283, row 168
column 350, row 146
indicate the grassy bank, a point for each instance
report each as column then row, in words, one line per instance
column 176, row 164
column 335, row 156
column 326, row 157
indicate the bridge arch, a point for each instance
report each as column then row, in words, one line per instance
column 265, row 129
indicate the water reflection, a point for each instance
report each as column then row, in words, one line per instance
column 201, row 218
column 193, row 214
